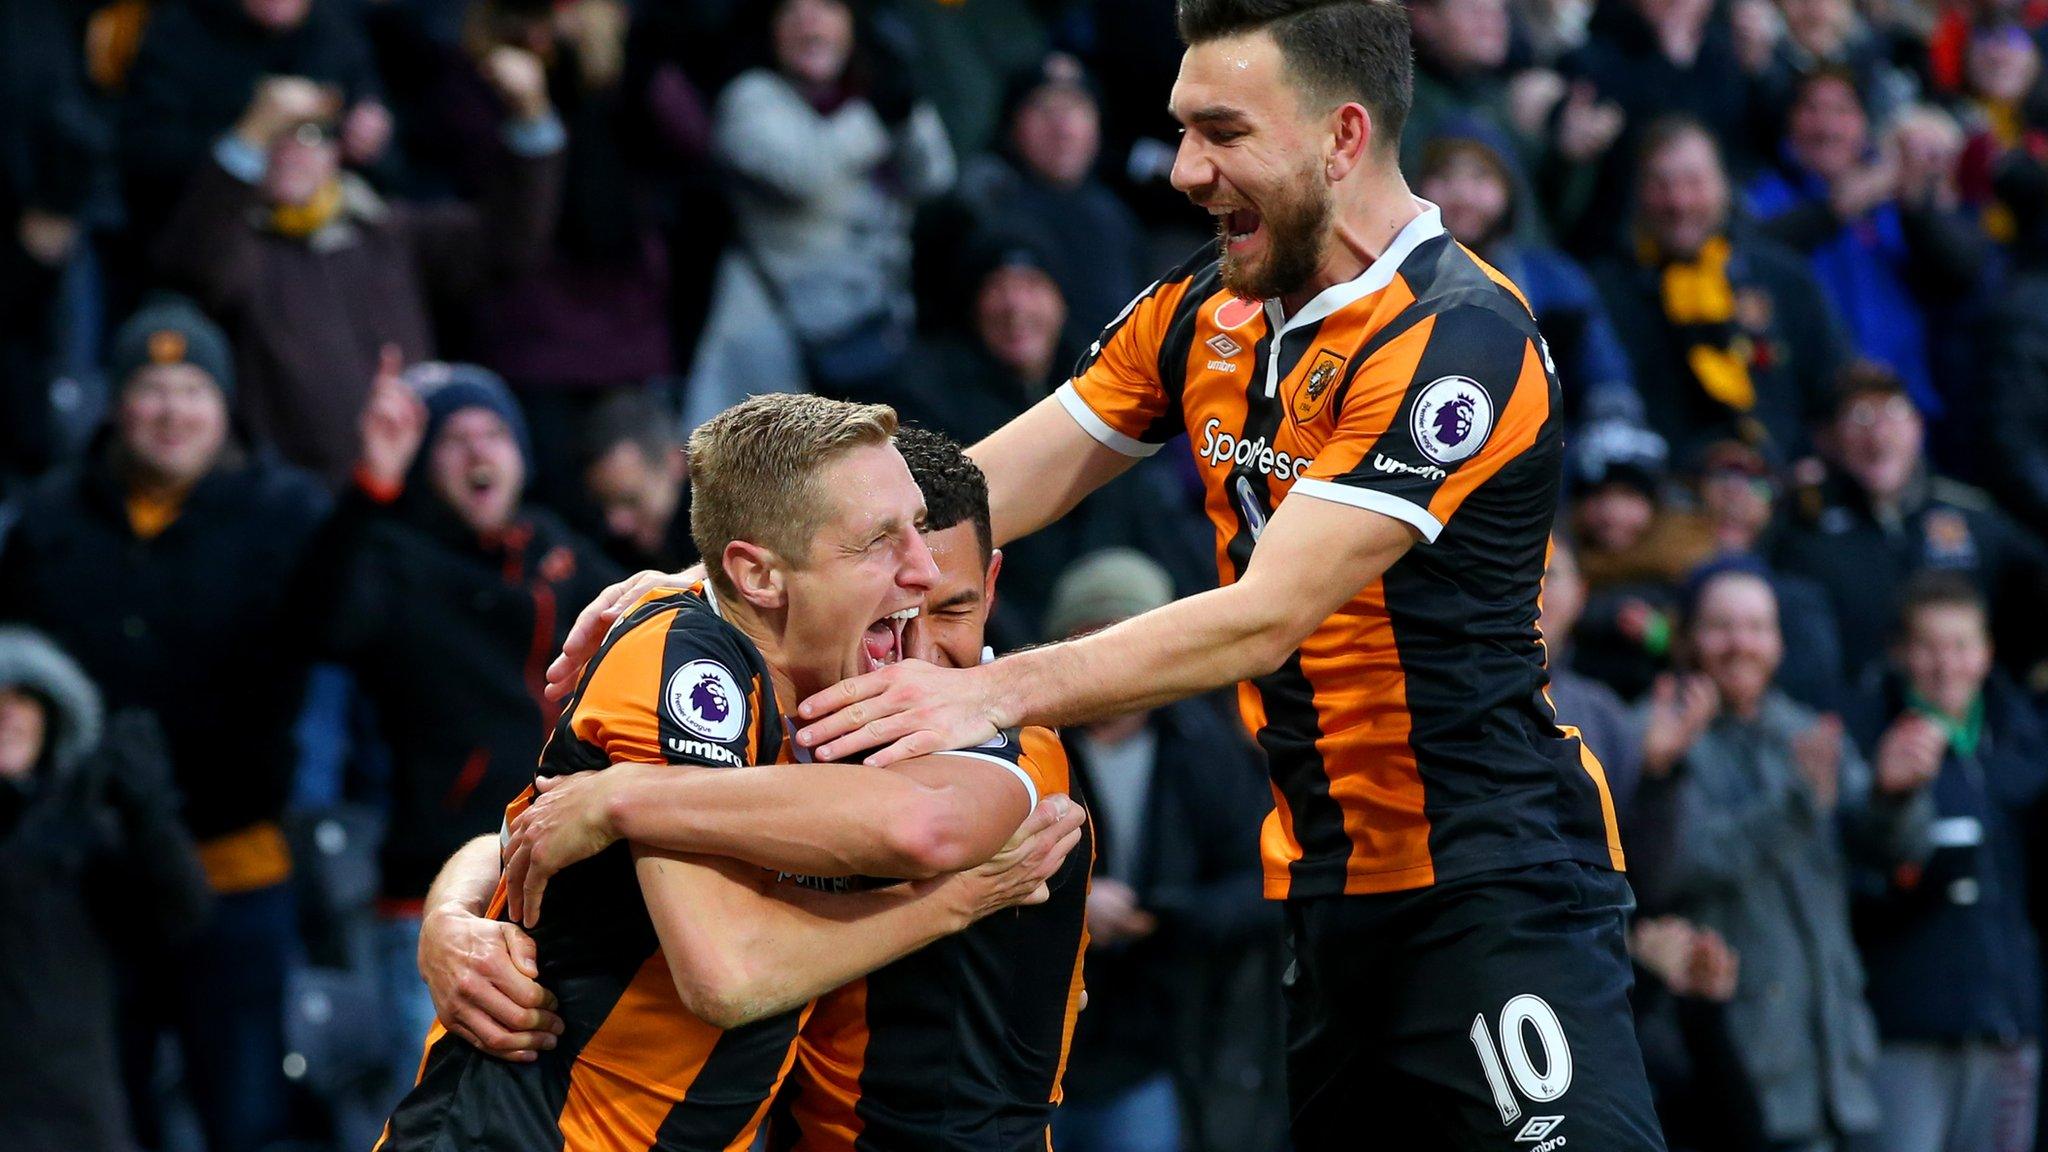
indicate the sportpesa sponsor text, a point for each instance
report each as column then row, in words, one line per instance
column 1221, row 448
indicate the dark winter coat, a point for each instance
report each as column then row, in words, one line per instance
column 450, row 637
column 92, row 860
column 186, row 624
column 1949, row 943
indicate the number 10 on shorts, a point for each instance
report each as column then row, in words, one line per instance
column 1516, row 1018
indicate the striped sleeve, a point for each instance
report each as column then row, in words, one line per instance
column 1005, row 751
column 1432, row 415
column 673, row 688
column 1117, row 394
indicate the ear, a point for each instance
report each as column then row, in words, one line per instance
column 757, row 574
column 988, row 581
column 1352, row 135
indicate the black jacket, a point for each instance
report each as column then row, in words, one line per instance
column 2016, row 386
column 450, row 637
column 1862, row 561
column 1151, row 1003
column 1949, row 946
column 92, row 861
column 187, row 624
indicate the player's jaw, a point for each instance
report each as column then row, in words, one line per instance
column 1271, row 241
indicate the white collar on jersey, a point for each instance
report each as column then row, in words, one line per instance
column 711, row 598
column 1428, row 225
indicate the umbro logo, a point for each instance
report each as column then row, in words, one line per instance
column 1537, row 1131
column 1223, row 345
column 1386, row 463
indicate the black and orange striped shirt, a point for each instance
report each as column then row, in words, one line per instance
column 959, row 1047
column 1410, row 737
column 634, row 1071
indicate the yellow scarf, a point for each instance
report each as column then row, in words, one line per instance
column 1700, row 302
column 149, row 514
column 299, row 221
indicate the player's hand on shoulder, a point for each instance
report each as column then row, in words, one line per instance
column 903, row 711
column 483, row 976
column 587, row 635
column 569, row 821
column 1017, row 874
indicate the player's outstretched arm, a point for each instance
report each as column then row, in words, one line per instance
column 919, row 819
column 1314, row 556
column 742, row 947
column 483, row 974
column 1039, row 466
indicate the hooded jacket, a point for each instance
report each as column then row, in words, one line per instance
column 91, row 855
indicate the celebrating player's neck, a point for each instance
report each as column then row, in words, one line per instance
column 1363, row 225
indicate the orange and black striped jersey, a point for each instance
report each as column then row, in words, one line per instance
column 959, row 1047
column 1410, row 737
column 634, row 1071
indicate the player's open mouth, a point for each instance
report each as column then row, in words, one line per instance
column 1239, row 226
column 882, row 644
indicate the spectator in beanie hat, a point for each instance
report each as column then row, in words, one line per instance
column 447, row 596
column 159, row 564
column 1176, row 797
column 1043, row 186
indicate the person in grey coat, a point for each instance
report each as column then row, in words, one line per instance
column 828, row 155
column 1764, row 806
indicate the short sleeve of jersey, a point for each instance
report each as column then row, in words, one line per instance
column 1116, row 393
column 1044, row 760
column 1006, row 751
column 675, row 685
column 1431, row 416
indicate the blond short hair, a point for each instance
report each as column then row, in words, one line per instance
column 754, row 468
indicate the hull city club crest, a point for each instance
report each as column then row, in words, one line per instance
column 1315, row 390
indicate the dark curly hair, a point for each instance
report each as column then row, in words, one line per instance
column 955, row 491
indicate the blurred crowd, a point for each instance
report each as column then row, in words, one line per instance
column 347, row 348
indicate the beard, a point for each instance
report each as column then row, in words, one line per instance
column 1295, row 227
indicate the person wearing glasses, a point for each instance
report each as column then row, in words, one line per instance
column 313, row 274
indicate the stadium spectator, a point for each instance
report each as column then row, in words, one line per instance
column 829, row 163
column 2015, row 367
column 1730, row 335
column 591, row 318
column 1044, row 188
column 1654, row 59
column 1738, row 497
column 1685, row 977
column 1461, row 55
column 159, row 564
column 1880, row 514
column 1603, row 720
column 2004, row 101
column 1470, row 178
column 51, row 154
column 1768, row 805
column 1174, row 907
column 1949, row 941
column 1878, row 217
column 200, row 63
column 636, row 472
column 1832, row 34
column 440, row 589
column 1633, row 548
column 92, row 863
column 314, row 273
column 1004, row 356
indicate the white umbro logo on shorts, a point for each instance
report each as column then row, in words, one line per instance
column 1537, row 1128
